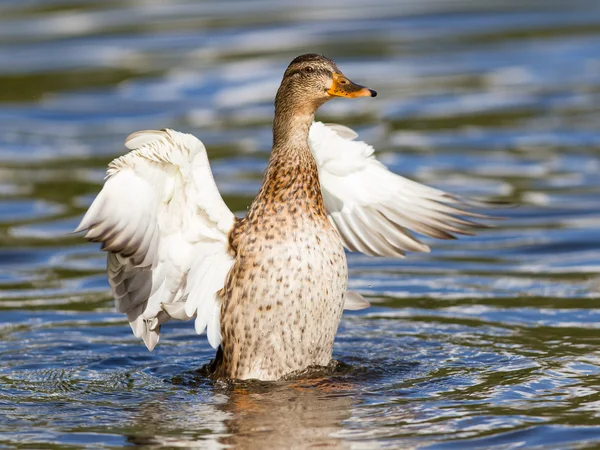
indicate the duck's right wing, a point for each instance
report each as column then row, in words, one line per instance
column 165, row 226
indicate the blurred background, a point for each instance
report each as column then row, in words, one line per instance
column 487, row 342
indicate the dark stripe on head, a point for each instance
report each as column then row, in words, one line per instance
column 310, row 57
column 313, row 58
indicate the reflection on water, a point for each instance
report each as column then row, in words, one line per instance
column 302, row 414
column 488, row 342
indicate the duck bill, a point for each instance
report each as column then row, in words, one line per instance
column 343, row 87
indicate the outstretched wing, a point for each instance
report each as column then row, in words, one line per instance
column 374, row 209
column 165, row 226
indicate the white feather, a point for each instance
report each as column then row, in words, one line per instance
column 353, row 301
column 372, row 208
column 162, row 218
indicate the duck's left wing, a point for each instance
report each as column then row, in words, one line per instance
column 375, row 210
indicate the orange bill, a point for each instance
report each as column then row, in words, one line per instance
column 343, row 87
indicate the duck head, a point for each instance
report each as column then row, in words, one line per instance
column 313, row 79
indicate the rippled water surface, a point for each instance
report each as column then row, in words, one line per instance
column 488, row 342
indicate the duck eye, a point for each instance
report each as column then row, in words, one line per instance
column 309, row 69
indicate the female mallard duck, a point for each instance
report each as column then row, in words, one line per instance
column 270, row 288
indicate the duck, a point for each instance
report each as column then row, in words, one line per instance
column 269, row 288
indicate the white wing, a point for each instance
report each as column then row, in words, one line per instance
column 165, row 226
column 372, row 208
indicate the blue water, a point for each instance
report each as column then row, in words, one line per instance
column 491, row 341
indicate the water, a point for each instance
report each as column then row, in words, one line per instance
column 487, row 342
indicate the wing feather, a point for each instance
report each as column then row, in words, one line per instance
column 373, row 209
column 165, row 226
column 353, row 301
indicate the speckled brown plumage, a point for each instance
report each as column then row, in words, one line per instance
column 283, row 299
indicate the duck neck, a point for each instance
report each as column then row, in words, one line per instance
column 292, row 176
column 291, row 126
column 294, row 116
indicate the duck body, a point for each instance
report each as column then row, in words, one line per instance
column 268, row 289
column 283, row 299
